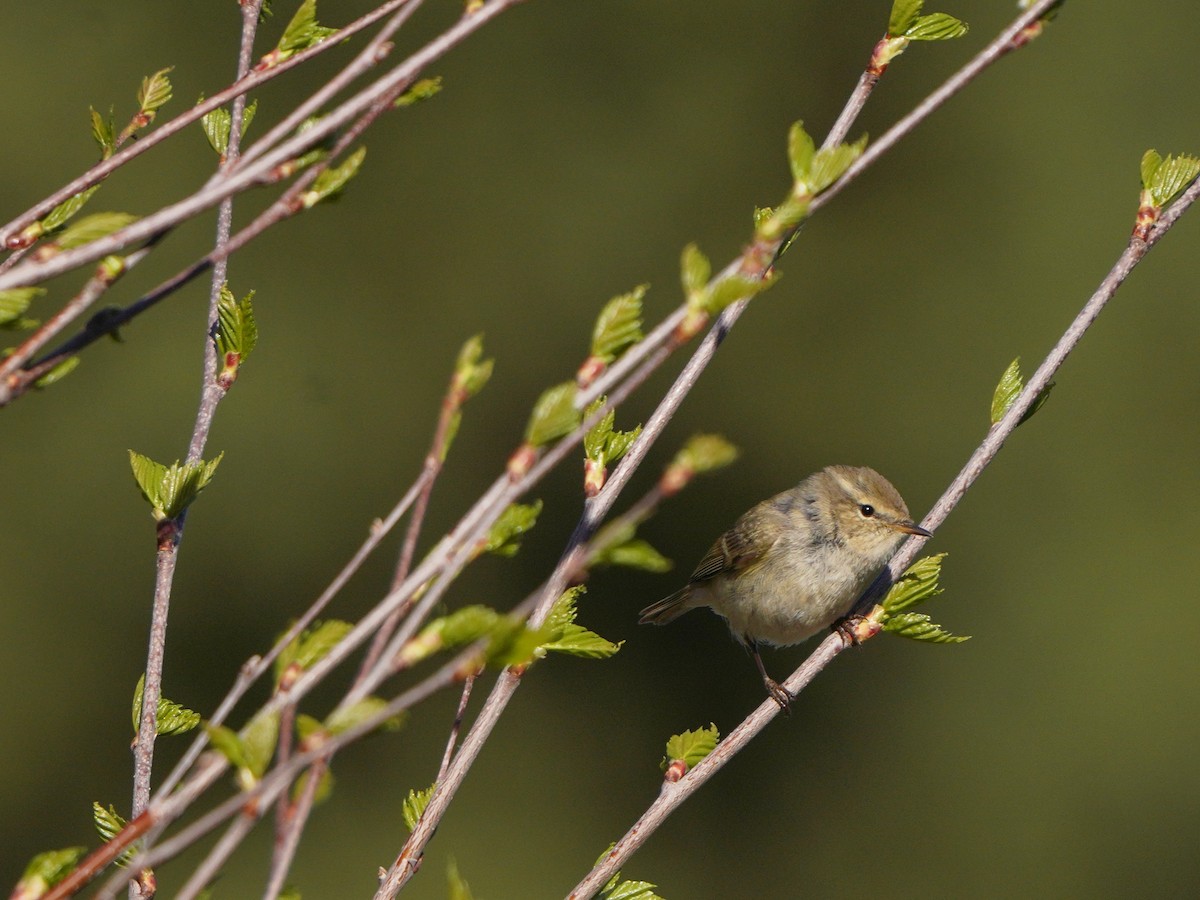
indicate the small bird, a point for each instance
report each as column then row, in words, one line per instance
column 796, row 563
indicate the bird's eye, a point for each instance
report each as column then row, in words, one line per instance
column 866, row 509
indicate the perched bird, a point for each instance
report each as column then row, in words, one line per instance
column 796, row 563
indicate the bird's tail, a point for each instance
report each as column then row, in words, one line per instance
column 668, row 609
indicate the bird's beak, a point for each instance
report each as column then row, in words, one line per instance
column 912, row 528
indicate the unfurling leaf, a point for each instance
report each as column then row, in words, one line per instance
column 691, row 746
column 359, row 712
column 919, row 627
column 104, row 132
column 108, row 823
column 567, row 637
column 154, row 94
column 235, row 334
column 619, row 325
column 310, row 646
column 459, row 627
column 58, row 217
column 93, row 227
column 46, row 870
column 702, row 453
column 1009, row 388
column 634, row 553
column 504, row 537
column 470, row 375
column 553, row 416
column 918, row 583
column 694, row 273
column 1163, row 179
column 57, row 372
column 171, row 489
column 904, row 14
column 14, row 303
column 602, row 444
column 732, row 288
column 414, row 806
column 329, row 185
column 170, row 718
column 302, row 31
column 216, row 125
column 420, row 91
column 801, row 150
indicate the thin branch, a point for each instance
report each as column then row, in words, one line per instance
column 673, row 795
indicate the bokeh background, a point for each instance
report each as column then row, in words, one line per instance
column 576, row 148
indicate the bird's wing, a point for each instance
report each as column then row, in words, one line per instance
column 740, row 548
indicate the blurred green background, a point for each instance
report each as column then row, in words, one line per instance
column 576, row 148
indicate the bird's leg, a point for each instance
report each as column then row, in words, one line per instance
column 777, row 692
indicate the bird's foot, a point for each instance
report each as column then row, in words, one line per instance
column 855, row 629
column 780, row 695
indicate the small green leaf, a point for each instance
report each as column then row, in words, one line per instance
column 691, row 746
column 58, row 372
column 235, row 334
column 320, row 795
column 1009, row 388
column 259, row 738
column 171, row 489
column 567, row 637
column 155, row 93
column 93, row 227
column 170, row 718
column 619, row 325
column 302, row 31
column 1169, row 176
column 310, row 646
column 694, row 273
column 936, row 27
column 14, row 303
column 801, row 151
column 904, row 14
column 356, row 713
column 632, row 890
column 227, row 742
column 414, row 806
column 553, row 416
column 732, row 288
column 830, row 164
column 512, row 643
column 470, row 375
column 456, row 886
column 58, row 217
column 216, row 125
column 504, row 537
column 918, row 627
column 420, row 91
column 634, row 553
column 918, row 583
column 329, row 185
column 460, row 627
column 602, row 444
column 46, row 870
column 705, row 452
column 104, row 132
column 108, row 824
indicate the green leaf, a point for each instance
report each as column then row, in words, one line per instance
column 1166, row 178
column 705, row 453
column 830, row 164
column 918, row 627
column 414, row 806
column 553, row 416
column 904, row 14
column 310, row 646
column 170, row 718
column 58, row 372
column 470, row 375
column 14, row 303
column 93, row 227
column 104, row 132
column 567, row 637
column 691, row 746
column 619, row 325
column 602, row 444
column 58, row 217
column 329, row 185
column 504, row 537
column 1009, row 388
column 732, row 288
column 348, row 717
column 108, row 824
column 320, row 795
column 801, row 152
column 512, row 643
column 936, row 27
column 171, row 489
column 460, row 627
column 634, row 553
column 235, row 334
column 216, row 125
column 46, row 870
column 228, row 743
column 456, row 886
column 155, row 93
column 302, row 31
column 694, row 273
column 259, row 738
column 420, row 91
column 918, row 583
column 631, row 890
